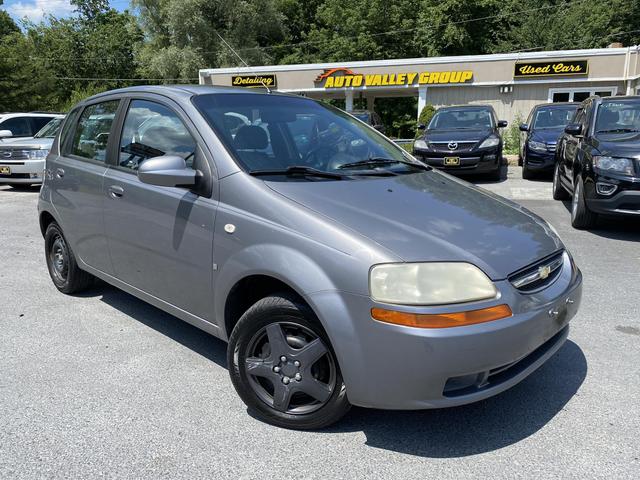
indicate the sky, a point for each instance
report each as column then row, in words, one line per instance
column 35, row 10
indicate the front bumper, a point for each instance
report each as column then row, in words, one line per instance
column 471, row 162
column 23, row 172
column 539, row 161
column 624, row 201
column 396, row 367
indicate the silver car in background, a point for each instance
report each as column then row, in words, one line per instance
column 341, row 270
column 22, row 159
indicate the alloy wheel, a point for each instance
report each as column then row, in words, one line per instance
column 575, row 200
column 290, row 368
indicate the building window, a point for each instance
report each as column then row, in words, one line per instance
column 579, row 94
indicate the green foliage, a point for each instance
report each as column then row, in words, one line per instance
column 511, row 136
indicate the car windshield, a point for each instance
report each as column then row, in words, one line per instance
column 280, row 134
column 618, row 117
column 50, row 129
column 553, row 118
column 458, row 119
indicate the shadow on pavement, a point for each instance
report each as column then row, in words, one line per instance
column 455, row 432
column 614, row 227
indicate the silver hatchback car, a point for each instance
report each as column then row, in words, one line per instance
column 340, row 270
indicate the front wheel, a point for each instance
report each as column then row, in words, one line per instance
column 61, row 262
column 581, row 216
column 559, row 193
column 283, row 367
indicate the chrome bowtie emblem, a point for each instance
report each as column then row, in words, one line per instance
column 544, row 272
column 452, row 145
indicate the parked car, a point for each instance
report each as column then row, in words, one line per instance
column 351, row 274
column 539, row 136
column 463, row 140
column 22, row 160
column 598, row 160
column 15, row 125
column 370, row 118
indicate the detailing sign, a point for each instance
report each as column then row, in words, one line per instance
column 344, row 77
column 545, row 69
column 254, row 81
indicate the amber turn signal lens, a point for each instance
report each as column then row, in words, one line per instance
column 442, row 320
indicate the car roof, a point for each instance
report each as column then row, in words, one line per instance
column 467, row 107
column 31, row 114
column 620, row 98
column 556, row 105
column 186, row 91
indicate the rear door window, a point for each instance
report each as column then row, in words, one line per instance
column 91, row 136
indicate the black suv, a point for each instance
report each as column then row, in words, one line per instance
column 540, row 134
column 463, row 140
column 598, row 160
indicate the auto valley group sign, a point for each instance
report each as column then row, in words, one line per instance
column 547, row 69
column 344, row 77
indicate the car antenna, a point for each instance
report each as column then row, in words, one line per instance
column 241, row 59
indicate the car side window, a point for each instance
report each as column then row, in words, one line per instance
column 19, row 126
column 153, row 130
column 92, row 133
column 66, row 128
column 39, row 122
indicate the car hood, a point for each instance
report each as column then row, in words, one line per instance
column 618, row 144
column 457, row 135
column 547, row 135
column 432, row 216
column 30, row 143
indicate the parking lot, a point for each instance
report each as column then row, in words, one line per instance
column 102, row 384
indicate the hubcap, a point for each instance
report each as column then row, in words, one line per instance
column 58, row 258
column 574, row 203
column 290, row 368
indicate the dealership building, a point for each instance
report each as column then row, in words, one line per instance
column 512, row 82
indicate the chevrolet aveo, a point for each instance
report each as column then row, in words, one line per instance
column 340, row 270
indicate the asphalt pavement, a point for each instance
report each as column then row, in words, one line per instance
column 104, row 385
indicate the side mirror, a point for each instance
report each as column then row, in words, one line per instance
column 167, row 171
column 6, row 133
column 502, row 123
column 574, row 129
column 524, row 127
column 421, row 126
column 379, row 128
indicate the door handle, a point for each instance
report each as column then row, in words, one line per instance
column 115, row 191
column 59, row 172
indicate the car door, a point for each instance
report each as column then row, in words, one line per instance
column 160, row 238
column 75, row 179
column 572, row 143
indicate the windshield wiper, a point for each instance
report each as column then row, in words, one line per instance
column 619, row 130
column 298, row 170
column 379, row 162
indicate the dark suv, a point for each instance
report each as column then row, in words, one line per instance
column 540, row 134
column 463, row 140
column 598, row 160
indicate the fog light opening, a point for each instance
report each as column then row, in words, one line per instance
column 605, row 188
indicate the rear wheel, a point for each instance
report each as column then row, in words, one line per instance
column 581, row 216
column 282, row 365
column 559, row 192
column 61, row 262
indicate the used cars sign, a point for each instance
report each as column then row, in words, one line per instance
column 544, row 69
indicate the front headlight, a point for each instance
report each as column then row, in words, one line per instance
column 429, row 283
column 537, row 146
column 491, row 141
column 421, row 144
column 611, row 164
column 38, row 154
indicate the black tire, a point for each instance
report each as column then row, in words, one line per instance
column 581, row 216
column 496, row 175
column 61, row 262
column 285, row 321
column 527, row 174
column 559, row 192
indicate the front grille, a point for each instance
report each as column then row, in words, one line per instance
column 551, row 147
column 15, row 175
column 444, row 146
column 538, row 275
column 13, row 154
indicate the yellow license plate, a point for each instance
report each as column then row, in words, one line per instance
column 452, row 161
column 5, row 171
